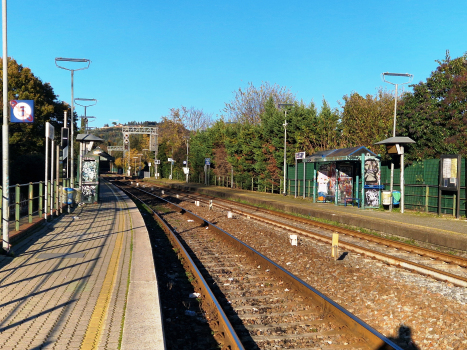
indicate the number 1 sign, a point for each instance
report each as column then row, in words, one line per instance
column 22, row 111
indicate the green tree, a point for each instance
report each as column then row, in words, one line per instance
column 366, row 120
column 27, row 140
column 434, row 114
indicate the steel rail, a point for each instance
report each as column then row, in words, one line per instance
column 386, row 258
column 357, row 326
column 226, row 335
column 448, row 258
column 409, row 265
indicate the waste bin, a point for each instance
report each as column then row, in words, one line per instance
column 68, row 195
column 386, row 197
column 396, row 197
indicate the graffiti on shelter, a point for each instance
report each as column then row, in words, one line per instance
column 89, row 171
column 345, row 183
column 88, row 190
column 371, row 198
column 372, row 176
column 326, row 181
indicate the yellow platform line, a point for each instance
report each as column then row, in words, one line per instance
column 96, row 324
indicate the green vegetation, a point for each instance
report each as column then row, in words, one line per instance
column 27, row 141
column 248, row 137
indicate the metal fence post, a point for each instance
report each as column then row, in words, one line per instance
column 54, row 196
column 17, row 207
column 49, row 197
column 30, row 199
column 40, row 204
column 427, row 192
column 454, row 204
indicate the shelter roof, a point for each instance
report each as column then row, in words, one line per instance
column 88, row 138
column 104, row 156
column 394, row 140
column 341, row 154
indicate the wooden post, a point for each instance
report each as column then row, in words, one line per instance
column 335, row 245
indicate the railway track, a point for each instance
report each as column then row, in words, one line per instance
column 263, row 305
column 438, row 265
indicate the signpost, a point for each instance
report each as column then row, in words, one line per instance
column 299, row 155
column 207, row 167
column 171, row 166
column 156, row 162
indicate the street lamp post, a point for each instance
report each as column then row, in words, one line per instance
column 410, row 77
column 280, row 105
column 73, row 60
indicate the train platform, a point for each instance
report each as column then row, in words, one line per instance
column 429, row 228
column 85, row 280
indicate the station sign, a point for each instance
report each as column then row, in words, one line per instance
column 300, row 155
column 207, row 161
column 22, row 111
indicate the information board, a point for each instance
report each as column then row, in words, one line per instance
column 449, row 172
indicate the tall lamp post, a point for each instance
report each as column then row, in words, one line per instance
column 73, row 60
column 280, row 105
column 410, row 77
column 5, row 148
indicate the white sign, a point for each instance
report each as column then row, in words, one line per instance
column 186, row 170
column 157, row 161
column 49, row 130
column 300, row 155
column 65, row 153
column 170, row 160
column 149, row 164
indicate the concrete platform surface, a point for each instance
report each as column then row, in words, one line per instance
column 84, row 281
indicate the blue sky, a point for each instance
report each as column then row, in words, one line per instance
column 150, row 56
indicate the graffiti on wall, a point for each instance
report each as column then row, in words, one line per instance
column 88, row 191
column 372, row 176
column 345, row 183
column 89, row 171
column 326, row 181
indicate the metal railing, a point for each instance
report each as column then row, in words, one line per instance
column 27, row 201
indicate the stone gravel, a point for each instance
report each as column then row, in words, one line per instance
column 415, row 311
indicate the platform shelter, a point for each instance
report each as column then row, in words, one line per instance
column 347, row 176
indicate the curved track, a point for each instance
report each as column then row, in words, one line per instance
column 438, row 265
column 268, row 306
